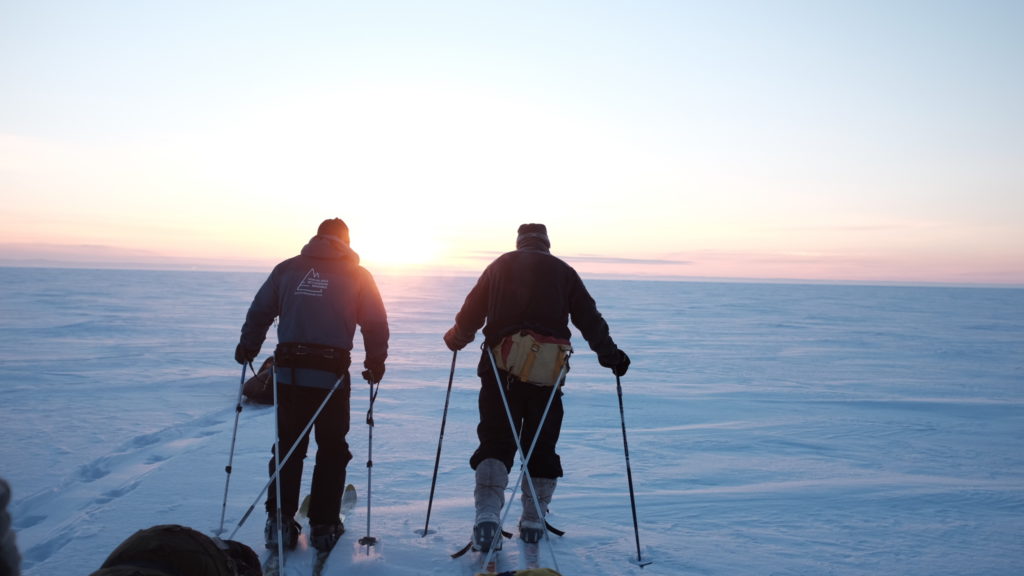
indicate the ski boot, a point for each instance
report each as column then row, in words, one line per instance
column 323, row 537
column 291, row 533
column 484, row 536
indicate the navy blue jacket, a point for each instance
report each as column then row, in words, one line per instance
column 320, row 296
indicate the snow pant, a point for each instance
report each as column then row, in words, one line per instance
column 296, row 406
column 526, row 403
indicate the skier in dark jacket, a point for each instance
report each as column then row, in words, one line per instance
column 10, row 559
column 319, row 297
column 533, row 290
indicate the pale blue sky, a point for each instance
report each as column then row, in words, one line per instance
column 830, row 140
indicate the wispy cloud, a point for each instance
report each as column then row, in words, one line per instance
column 592, row 259
column 99, row 256
column 624, row 260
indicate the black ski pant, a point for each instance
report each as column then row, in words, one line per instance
column 296, row 406
column 526, row 403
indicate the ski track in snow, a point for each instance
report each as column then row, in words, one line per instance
column 96, row 485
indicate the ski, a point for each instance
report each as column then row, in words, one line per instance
column 271, row 565
column 531, row 554
column 480, row 557
column 486, row 562
column 478, row 565
column 530, row 551
column 348, row 503
column 321, row 560
column 489, row 566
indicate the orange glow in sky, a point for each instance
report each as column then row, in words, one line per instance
column 866, row 141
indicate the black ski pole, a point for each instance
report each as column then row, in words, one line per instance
column 629, row 472
column 368, row 540
column 231, row 454
column 440, row 439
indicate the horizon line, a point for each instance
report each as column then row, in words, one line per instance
column 451, row 272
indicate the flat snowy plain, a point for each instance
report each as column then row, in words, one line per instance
column 773, row 429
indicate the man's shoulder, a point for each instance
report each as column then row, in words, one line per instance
column 531, row 254
column 288, row 261
column 539, row 257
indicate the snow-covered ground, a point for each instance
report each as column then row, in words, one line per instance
column 773, row 429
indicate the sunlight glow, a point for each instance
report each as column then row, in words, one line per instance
column 646, row 144
column 381, row 249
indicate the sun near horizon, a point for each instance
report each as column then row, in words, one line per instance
column 843, row 142
column 380, row 250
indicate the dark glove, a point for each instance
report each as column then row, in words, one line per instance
column 374, row 372
column 245, row 355
column 618, row 362
column 456, row 340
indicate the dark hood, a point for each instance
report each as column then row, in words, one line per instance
column 329, row 247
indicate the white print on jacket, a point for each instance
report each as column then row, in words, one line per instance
column 312, row 284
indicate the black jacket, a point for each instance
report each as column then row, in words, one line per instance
column 530, row 288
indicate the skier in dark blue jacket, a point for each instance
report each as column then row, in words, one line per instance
column 319, row 298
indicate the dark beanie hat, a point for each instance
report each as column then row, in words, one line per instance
column 527, row 231
column 333, row 227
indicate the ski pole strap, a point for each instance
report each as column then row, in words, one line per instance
column 462, row 552
column 313, row 356
column 374, row 389
column 553, row 530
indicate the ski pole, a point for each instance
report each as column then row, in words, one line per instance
column 629, row 472
column 277, row 470
column 277, row 474
column 440, row 439
column 231, row 453
column 524, row 456
column 368, row 540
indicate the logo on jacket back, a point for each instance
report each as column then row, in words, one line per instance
column 312, row 284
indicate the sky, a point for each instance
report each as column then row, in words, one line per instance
column 869, row 141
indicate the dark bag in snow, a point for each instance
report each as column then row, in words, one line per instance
column 173, row 550
column 260, row 388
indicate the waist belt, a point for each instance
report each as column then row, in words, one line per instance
column 313, row 356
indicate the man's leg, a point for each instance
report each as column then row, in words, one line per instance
column 332, row 458
column 292, row 414
column 332, row 455
column 491, row 461
column 545, row 466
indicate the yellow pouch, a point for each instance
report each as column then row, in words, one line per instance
column 532, row 357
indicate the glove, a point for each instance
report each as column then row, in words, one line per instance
column 618, row 362
column 374, row 372
column 456, row 340
column 245, row 355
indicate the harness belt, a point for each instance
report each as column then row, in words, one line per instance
column 313, row 356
